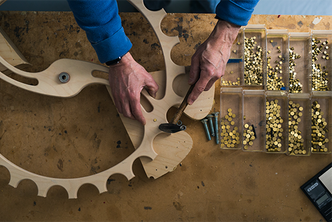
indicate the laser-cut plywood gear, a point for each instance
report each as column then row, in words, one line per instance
column 171, row 149
column 9, row 51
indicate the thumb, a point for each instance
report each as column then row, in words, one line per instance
column 151, row 86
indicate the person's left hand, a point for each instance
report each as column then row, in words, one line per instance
column 209, row 61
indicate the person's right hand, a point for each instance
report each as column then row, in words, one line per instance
column 127, row 79
column 208, row 63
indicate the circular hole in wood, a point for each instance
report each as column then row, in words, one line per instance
column 4, row 176
column 87, row 191
column 27, row 188
column 57, row 192
column 180, row 85
column 62, row 138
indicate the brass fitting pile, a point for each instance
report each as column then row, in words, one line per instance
column 294, row 83
column 274, row 82
column 318, row 129
column 319, row 72
column 249, row 135
column 230, row 83
column 230, row 136
column 253, row 65
column 274, row 130
column 295, row 139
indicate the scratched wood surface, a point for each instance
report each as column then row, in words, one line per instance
column 83, row 135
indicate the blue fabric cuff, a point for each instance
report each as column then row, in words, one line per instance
column 112, row 47
column 238, row 13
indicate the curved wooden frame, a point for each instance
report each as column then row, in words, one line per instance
column 80, row 76
column 9, row 51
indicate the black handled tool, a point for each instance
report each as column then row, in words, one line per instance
column 174, row 125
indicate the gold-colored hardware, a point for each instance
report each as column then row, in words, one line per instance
column 318, row 129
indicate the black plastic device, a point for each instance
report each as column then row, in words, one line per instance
column 319, row 189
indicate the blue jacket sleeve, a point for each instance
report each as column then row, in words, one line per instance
column 237, row 12
column 101, row 21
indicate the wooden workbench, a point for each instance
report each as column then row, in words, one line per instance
column 84, row 135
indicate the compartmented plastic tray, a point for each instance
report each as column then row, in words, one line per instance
column 233, row 75
column 293, row 114
column 321, row 122
column 231, row 118
column 299, row 62
column 321, row 61
column 276, row 122
column 299, row 115
column 254, row 55
column 277, row 69
column 253, row 120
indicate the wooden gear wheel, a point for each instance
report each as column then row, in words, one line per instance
column 144, row 138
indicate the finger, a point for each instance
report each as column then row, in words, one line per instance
column 194, row 70
column 137, row 111
column 127, row 111
column 151, row 86
column 117, row 102
column 198, row 89
column 210, row 83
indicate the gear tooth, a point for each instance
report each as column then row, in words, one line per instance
column 71, row 187
column 101, row 187
column 14, row 181
column 130, row 175
column 72, row 194
column 42, row 192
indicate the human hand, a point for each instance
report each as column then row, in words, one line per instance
column 209, row 61
column 127, row 79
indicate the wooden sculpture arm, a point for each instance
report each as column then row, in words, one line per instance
column 127, row 80
column 209, row 62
